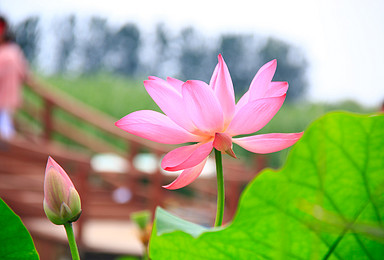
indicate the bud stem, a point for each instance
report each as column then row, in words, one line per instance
column 220, row 189
column 72, row 241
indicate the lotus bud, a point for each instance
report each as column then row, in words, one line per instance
column 223, row 143
column 61, row 200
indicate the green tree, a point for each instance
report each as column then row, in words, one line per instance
column 125, row 49
column 196, row 60
column 291, row 66
column 27, row 35
column 235, row 50
column 97, row 44
column 67, row 43
column 163, row 51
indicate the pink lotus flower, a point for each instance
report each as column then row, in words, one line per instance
column 61, row 200
column 208, row 116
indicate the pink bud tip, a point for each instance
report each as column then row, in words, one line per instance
column 61, row 200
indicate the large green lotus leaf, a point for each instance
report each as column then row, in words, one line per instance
column 326, row 203
column 15, row 240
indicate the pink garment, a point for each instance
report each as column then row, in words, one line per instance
column 13, row 70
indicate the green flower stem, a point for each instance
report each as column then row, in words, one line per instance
column 72, row 241
column 220, row 189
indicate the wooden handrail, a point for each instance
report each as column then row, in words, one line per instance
column 105, row 122
column 90, row 115
column 97, row 199
column 54, row 98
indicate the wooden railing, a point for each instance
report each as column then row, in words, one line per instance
column 22, row 174
column 54, row 99
column 96, row 200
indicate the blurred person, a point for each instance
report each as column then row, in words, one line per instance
column 13, row 73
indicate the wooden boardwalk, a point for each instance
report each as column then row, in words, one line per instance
column 109, row 195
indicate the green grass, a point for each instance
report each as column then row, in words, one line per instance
column 118, row 96
column 114, row 95
column 296, row 117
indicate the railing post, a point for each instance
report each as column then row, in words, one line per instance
column 132, row 178
column 82, row 188
column 261, row 162
column 156, row 188
column 48, row 120
column 232, row 198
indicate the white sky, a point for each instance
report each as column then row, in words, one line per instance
column 342, row 39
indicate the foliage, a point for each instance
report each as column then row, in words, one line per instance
column 195, row 60
column 291, row 66
column 16, row 242
column 326, row 203
column 97, row 45
column 163, row 49
column 127, row 46
column 236, row 51
column 126, row 50
column 27, row 34
column 66, row 38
